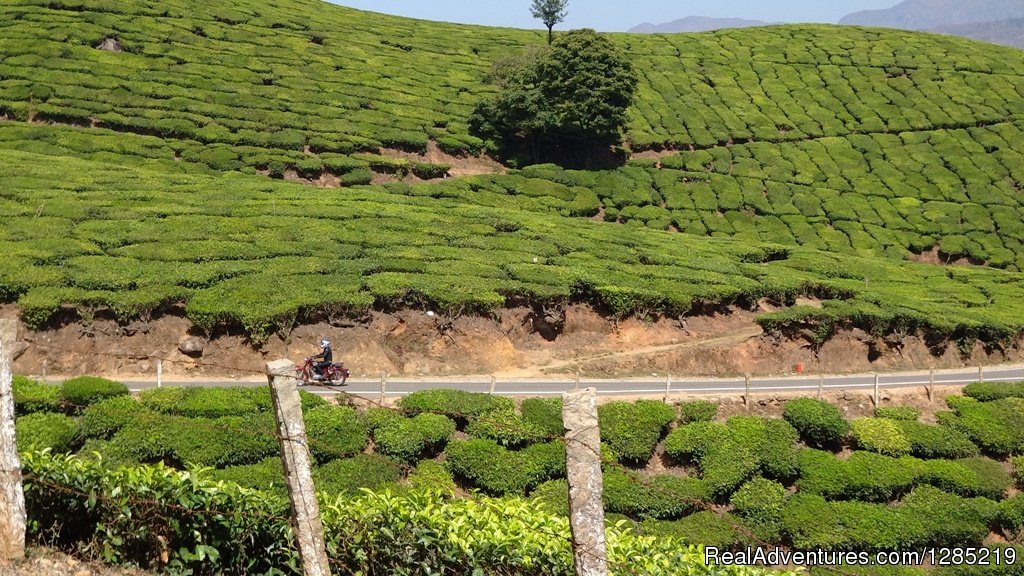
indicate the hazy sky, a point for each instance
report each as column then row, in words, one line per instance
column 618, row 15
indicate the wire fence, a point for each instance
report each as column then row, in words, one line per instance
column 641, row 481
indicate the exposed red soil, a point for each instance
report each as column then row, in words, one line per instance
column 409, row 342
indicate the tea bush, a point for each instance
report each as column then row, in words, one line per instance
column 82, row 391
column 496, row 470
column 880, row 435
column 819, row 423
column 106, row 417
column 459, row 405
column 411, row 439
column 31, row 396
column 901, row 413
column 334, row 432
column 697, row 411
column 506, row 428
column 348, row 475
column 632, row 430
column 45, row 430
column 545, row 413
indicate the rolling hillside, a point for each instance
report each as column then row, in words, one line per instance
column 138, row 141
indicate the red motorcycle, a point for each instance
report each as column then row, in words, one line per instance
column 334, row 375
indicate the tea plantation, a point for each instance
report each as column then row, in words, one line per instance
column 786, row 161
column 734, row 482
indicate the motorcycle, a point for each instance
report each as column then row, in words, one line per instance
column 334, row 375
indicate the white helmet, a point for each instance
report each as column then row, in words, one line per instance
column 324, row 343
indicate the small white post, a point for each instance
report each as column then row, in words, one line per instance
column 876, row 390
column 492, row 384
column 931, row 383
column 746, row 390
column 159, row 373
column 668, row 389
column 821, row 385
column 981, row 374
column 577, row 386
column 383, row 387
column 44, row 372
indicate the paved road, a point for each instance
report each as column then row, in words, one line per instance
column 651, row 386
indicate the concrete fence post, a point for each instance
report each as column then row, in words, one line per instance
column 668, row 389
column 291, row 433
column 493, row 384
column 746, row 390
column 583, row 468
column 876, row 391
column 12, row 497
column 821, row 386
column 159, row 373
column 383, row 387
column 981, row 374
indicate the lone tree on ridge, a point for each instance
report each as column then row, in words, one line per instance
column 550, row 12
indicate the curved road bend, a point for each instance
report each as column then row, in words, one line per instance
column 644, row 387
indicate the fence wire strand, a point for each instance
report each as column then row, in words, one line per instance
column 624, row 566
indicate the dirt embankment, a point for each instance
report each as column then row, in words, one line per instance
column 411, row 343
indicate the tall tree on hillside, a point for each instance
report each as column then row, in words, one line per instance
column 550, row 12
column 562, row 101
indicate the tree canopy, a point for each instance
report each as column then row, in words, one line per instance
column 550, row 12
column 570, row 96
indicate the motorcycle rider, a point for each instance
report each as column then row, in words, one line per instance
column 326, row 354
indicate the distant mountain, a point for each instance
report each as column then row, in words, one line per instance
column 1008, row 32
column 697, row 24
column 932, row 14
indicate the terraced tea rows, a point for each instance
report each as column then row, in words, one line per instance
column 263, row 254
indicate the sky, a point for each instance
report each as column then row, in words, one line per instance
column 618, row 15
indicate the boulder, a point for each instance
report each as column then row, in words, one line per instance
column 192, row 347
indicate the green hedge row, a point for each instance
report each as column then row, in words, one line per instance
column 495, row 470
column 927, row 517
column 633, row 429
column 997, row 427
column 904, row 437
column 819, row 423
column 876, row 478
column 208, row 527
column 459, row 405
column 411, row 439
column 988, row 391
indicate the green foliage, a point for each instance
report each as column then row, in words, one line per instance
column 348, row 475
column 411, row 439
column 997, row 427
column 880, row 435
column 698, row 411
column 819, row 423
column 266, row 475
column 578, row 90
column 85, row 390
column 220, row 442
column 660, row 496
column 1018, row 469
column 106, row 417
column 760, row 500
column 902, row 413
column 633, row 429
column 334, row 432
column 928, row 441
column 433, row 476
column 705, row 528
column 31, row 396
column 459, row 405
column 506, row 428
column 988, row 391
column 496, row 470
column 928, row 517
column 545, row 413
column 41, row 430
